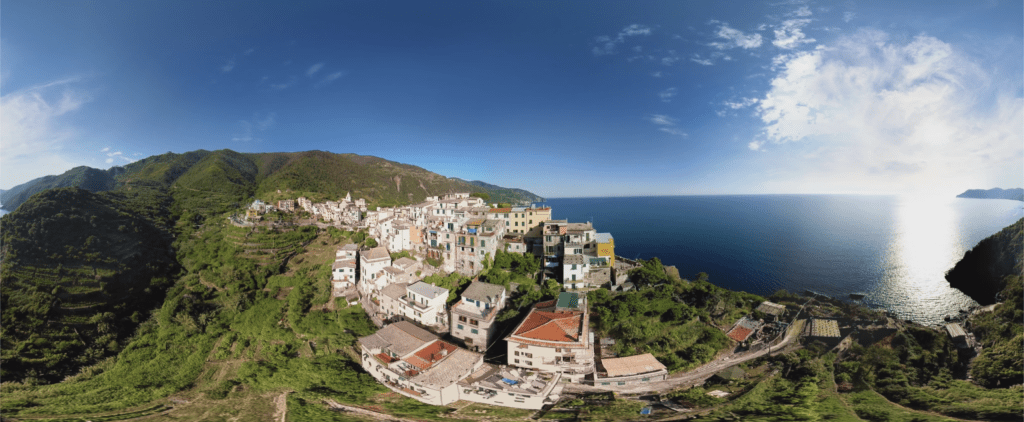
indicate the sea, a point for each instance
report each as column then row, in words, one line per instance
column 894, row 250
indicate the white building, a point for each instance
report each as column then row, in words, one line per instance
column 343, row 273
column 349, row 251
column 555, row 337
column 511, row 387
column 415, row 363
column 575, row 269
column 420, row 302
column 473, row 316
column 371, row 269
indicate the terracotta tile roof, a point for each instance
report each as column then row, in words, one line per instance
column 385, row 358
column 740, row 333
column 434, row 352
column 552, row 326
column 418, row 362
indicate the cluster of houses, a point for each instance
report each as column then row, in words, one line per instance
column 551, row 346
column 459, row 233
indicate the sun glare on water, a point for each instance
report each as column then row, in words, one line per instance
column 925, row 238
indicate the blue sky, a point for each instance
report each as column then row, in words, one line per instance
column 563, row 99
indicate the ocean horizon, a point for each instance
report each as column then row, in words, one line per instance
column 895, row 250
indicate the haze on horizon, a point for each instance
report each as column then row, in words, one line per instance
column 567, row 99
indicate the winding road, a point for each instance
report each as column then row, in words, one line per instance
column 693, row 377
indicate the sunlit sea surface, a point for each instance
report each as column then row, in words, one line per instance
column 895, row 250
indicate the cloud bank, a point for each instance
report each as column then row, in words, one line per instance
column 912, row 115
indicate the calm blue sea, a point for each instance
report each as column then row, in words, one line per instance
column 895, row 250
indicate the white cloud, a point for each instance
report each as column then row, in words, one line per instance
column 250, row 130
column 661, row 119
column 791, row 35
column 881, row 114
column 608, row 45
column 755, row 145
column 658, row 74
column 667, row 94
column 848, row 16
column 672, row 131
column 314, row 68
column 666, row 124
column 735, row 38
column 697, row 59
column 227, row 67
column 742, row 103
column 118, row 155
column 802, row 12
column 34, row 132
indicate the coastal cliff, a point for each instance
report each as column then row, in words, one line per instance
column 981, row 272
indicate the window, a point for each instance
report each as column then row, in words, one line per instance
column 574, row 266
column 558, row 350
column 622, row 383
column 461, row 327
column 529, row 355
column 474, row 331
column 566, row 359
column 517, row 353
column 645, row 379
column 483, row 243
column 529, row 363
column 605, row 383
column 473, row 321
column 462, row 318
column 517, row 360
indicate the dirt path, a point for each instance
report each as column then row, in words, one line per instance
column 362, row 412
column 281, row 407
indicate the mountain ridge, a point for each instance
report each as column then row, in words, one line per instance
column 238, row 176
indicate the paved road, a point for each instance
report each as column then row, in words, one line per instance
column 689, row 378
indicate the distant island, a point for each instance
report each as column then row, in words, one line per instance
column 1016, row 194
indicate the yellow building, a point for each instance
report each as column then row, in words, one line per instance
column 523, row 219
column 606, row 247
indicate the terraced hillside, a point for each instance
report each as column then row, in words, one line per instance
column 80, row 271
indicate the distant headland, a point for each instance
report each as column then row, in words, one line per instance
column 994, row 193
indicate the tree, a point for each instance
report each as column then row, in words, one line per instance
column 481, row 195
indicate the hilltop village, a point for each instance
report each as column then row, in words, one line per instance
column 431, row 344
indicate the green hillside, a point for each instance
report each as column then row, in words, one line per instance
column 214, row 181
column 80, row 271
column 87, row 178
